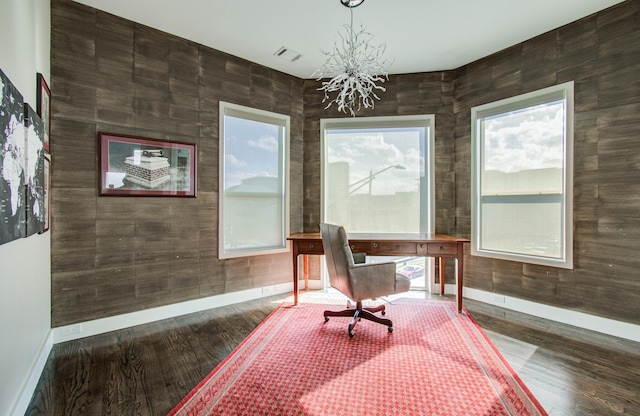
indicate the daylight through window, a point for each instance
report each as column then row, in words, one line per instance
column 378, row 178
column 522, row 178
column 254, row 160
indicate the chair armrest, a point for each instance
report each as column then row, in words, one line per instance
column 371, row 280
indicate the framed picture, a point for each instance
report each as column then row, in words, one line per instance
column 138, row 166
column 13, row 204
column 43, row 104
column 34, row 171
column 47, row 192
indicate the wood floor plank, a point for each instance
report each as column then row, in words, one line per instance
column 572, row 371
column 148, row 369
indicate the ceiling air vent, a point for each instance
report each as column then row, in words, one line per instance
column 288, row 54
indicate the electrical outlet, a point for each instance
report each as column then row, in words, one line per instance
column 499, row 299
column 266, row 289
column 71, row 330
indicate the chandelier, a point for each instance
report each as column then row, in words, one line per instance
column 356, row 66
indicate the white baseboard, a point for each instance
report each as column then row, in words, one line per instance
column 314, row 284
column 24, row 398
column 579, row 319
column 99, row 326
column 113, row 323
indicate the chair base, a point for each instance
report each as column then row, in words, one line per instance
column 358, row 313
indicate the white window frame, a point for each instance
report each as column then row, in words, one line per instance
column 239, row 111
column 564, row 92
column 426, row 120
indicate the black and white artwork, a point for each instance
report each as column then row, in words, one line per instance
column 47, row 191
column 138, row 166
column 12, row 162
column 34, row 171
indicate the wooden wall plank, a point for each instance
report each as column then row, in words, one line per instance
column 600, row 53
column 166, row 87
column 113, row 255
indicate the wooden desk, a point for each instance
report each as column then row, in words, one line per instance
column 440, row 246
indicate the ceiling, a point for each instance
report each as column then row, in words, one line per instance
column 420, row 35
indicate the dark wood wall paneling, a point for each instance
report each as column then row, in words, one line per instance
column 601, row 53
column 115, row 255
column 112, row 255
column 409, row 94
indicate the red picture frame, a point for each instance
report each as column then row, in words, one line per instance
column 43, row 104
column 140, row 166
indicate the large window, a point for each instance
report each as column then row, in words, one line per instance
column 378, row 178
column 254, row 166
column 522, row 178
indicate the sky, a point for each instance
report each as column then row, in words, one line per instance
column 523, row 140
column 372, row 150
column 250, row 150
column 516, row 141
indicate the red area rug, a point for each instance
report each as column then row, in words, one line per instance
column 436, row 362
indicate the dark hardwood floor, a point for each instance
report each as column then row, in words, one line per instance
column 148, row 369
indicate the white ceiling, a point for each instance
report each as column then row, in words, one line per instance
column 420, row 35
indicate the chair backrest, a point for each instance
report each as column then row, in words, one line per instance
column 338, row 257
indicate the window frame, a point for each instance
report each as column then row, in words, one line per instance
column 253, row 114
column 426, row 120
column 561, row 92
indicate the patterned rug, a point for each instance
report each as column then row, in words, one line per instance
column 435, row 362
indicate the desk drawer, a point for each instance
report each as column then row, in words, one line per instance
column 310, row 247
column 393, row 248
column 360, row 247
column 442, row 248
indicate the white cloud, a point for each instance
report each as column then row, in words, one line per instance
column 233, row 162
column 372, row 153
column 268, row 143
column 531, row 139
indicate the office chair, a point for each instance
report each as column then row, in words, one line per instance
column 358, row 280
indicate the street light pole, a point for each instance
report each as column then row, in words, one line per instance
column 368, row 180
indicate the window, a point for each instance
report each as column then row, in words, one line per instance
column 522, row 180
column 378, row 178
column 254, row 166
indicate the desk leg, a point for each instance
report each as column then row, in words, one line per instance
column 459, row 282
column 294, row 250
column 305, row 270
column 441, row 272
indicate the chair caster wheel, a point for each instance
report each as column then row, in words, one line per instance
column 326, row 319
column 390, row 329
column 383, row 313
column 351, row 334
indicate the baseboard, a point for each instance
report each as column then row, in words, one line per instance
column 99, row 326
column 113, row 323
column 24, row 398
column 89, row 328
column 579, row 319
column 314, row 284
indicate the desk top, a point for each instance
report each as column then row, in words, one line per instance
column 408, row 237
